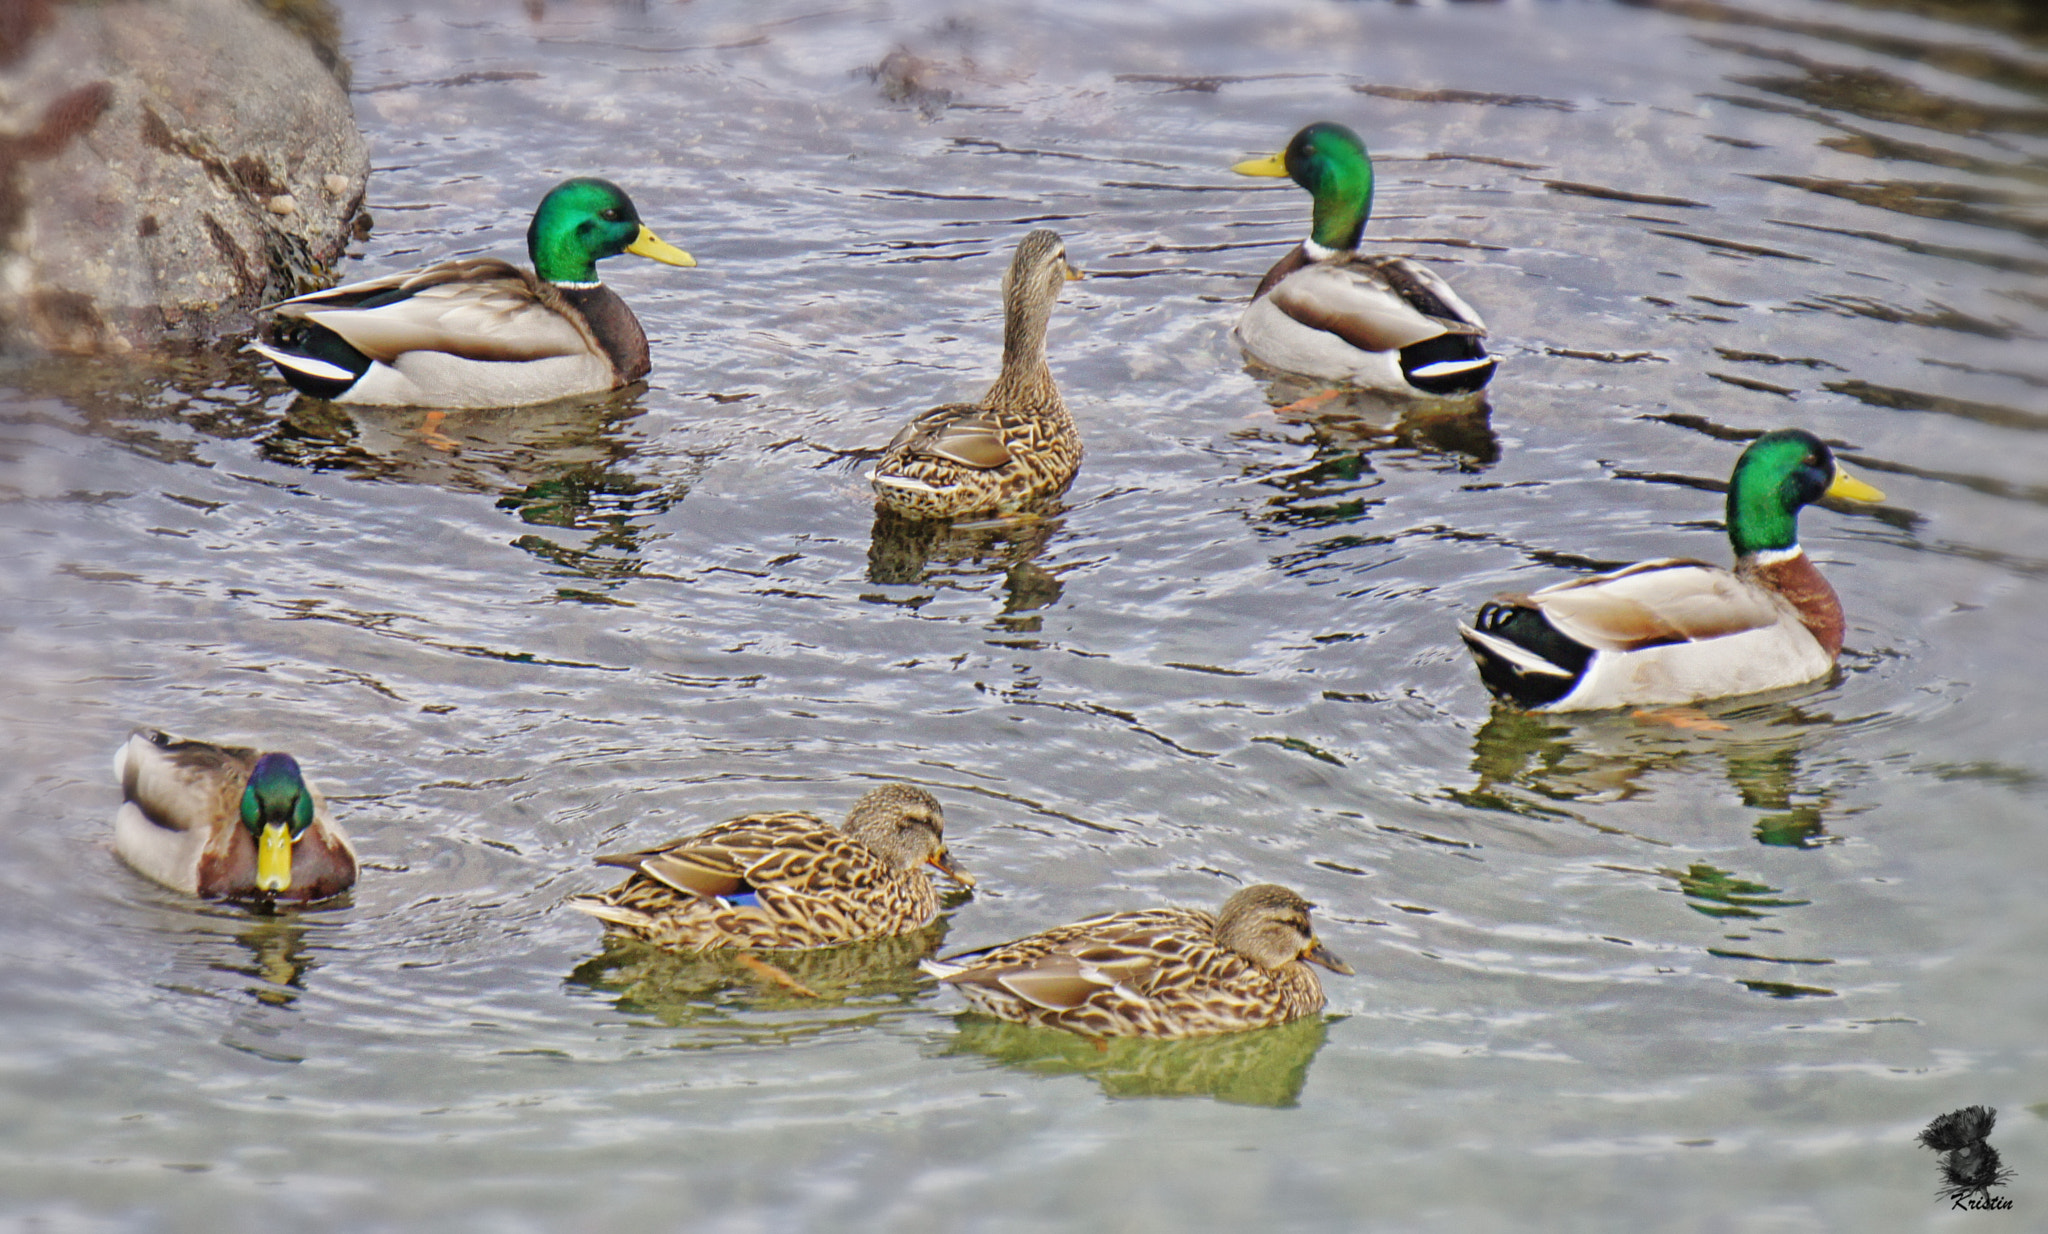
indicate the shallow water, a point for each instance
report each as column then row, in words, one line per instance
column 1613, row 972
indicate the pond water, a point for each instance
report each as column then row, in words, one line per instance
column 1613, row 972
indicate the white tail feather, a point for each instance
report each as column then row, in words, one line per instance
column 1524, row 660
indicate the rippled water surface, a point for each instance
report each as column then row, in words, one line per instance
column 1613, row 972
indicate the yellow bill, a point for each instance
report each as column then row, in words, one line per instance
column 1271, row 165
column 274, row 858
column 1075, row 274
column 1849, row 488
column 651, row 245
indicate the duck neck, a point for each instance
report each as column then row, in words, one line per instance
column 1026, row 380
column 559, row 257
column 612, row 325
column 1343, row 198
column 1790, row 573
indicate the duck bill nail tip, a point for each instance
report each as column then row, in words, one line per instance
column 944, row 864
column 1319, row 954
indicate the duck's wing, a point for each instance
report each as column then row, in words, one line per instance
column 746, row 853
column 960, row 433
column 1067, row 967
column 181, row 785
column 1374, row 304
column 1426, row 291
column 1655, row 603
column 478, row 308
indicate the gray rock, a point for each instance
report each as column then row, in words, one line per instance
column 166, row 166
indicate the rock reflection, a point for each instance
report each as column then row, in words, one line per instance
column 126, row 399
column 1539, row 766
column 912, row 551
column 711, row 989
column 1266, row 1066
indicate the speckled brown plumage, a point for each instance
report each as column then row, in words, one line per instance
column 1018, row 445
column 786, row 879
column 1162, row 972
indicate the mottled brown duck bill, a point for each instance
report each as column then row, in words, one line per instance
column 942, row 861
column 1319, row 954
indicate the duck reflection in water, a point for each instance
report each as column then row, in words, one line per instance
column 1347, row 421
column 494, row 451
column 567, row 464
column 281, row 960
column 1539, row 765
column 948, row 554
column 707, row 988
column 1264, row 1067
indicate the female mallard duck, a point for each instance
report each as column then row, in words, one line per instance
column 1382, row 323
column 226, row 822
column 1018, row 444
column 1676, row 631
column 479, row 332
column 1160, row 972
column 786, row 880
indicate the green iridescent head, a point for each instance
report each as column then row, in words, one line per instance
column 277, row 808
column 277, row 793
column 1330, row 162
column 1780, row 472
column 583, row 221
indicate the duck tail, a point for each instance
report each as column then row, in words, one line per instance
column 325, row 366
column 1522, row 657
column 1448, row 364
column 604, row 910
column 940, row 969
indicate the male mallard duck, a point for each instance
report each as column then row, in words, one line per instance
column 786, row 880
column 1382, row 323
column 1015, row 446
column 1159, row 972
column 479, row 332
column 1677, row 631
column 226, row 822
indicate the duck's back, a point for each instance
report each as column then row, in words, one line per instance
column 1151, row 973
column 781, row 880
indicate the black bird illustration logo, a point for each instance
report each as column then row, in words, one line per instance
column 1969, row 1165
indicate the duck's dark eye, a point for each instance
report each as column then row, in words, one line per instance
column 610, row 216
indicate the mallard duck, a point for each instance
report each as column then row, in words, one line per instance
column 1160, row 972
column 226, row 822
column 786, row 880
column 1326, row 311
column 1018, row 444
column 1675, row 631
column 480, row 332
